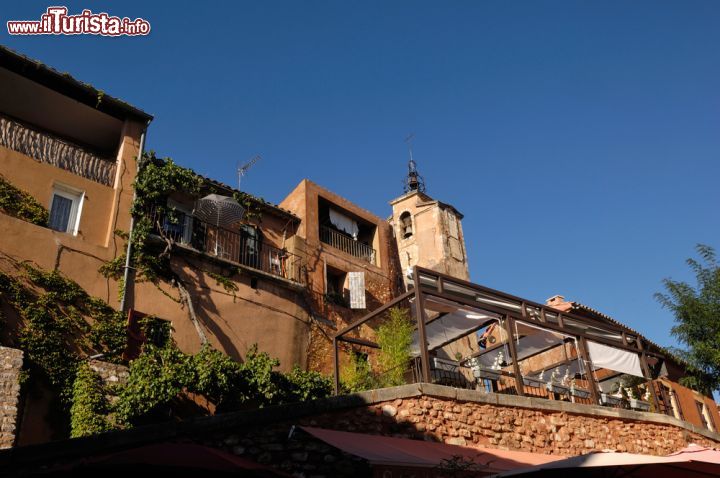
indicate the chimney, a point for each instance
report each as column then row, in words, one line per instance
column 555, row 301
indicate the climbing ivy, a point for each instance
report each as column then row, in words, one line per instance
column 60, row 322
column 90, row 407
column 157, row 376
column 161, row 374
column 20, row 204
column 225, row 281
column 157, row 179
column 307, row 385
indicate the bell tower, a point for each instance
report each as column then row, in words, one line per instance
column 428, row 232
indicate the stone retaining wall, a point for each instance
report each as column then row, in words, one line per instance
column 458, row 417
column 11, row 361
column 110, row 373
column 420, row 411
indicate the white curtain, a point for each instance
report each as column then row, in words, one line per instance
column 603, row 356
column 344, row 223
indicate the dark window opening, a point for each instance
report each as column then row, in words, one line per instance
column 406, row 227
column 335, row 287
column 145, row 329
column 701, row 411
column 250, row 246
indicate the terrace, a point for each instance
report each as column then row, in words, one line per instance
column 243, row 246
column 346, row 232
column 469, row 336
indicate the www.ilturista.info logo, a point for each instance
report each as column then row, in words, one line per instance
column 56, row 21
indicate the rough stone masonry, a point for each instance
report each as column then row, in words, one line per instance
column 11, row 361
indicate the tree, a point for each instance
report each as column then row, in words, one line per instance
column 697, row 316
column 395, row 340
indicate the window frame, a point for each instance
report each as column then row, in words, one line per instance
column 77, row 197
column 187, row 222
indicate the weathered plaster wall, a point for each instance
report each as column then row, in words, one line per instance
column 687, row 399
column 104, row 210
column 272, row 315
column 381, row 279
column 437, row 241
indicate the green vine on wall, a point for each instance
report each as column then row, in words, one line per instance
column 20, row 204
column 90, row 407
column 60, row 324
column 157, row 180
column 161, row 374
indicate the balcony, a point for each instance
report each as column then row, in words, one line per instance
column 347, row 244
column 244, row 247
column 46, row 148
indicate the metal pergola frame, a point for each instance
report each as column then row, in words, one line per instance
column 436, row 286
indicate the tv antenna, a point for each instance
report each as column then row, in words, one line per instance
column 408, row 140
column 242, row 170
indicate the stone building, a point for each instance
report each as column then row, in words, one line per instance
column 298, row 279
column 428, row 232
column 73, row 149
column 352, row 265
column 284, row 277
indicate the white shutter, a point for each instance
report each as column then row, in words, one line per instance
column 357, row 290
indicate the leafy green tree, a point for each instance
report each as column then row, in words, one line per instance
column 697, row 316
column 395, row 339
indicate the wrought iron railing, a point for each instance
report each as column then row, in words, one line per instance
column 347, row 244
column 242, row 247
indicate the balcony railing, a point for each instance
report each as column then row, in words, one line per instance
column 241, row 247
column 347, row 244
column 46, row 148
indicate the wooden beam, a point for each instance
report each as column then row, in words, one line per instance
column 547, row 325
column 422, row 335
column 509, row 323
column 376, row 312
column 646, row 372
column 519, row 300
column 594, row 387
column 358, row 341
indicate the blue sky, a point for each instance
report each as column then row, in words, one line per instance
column 580, row 139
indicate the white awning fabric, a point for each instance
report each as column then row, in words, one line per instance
column 344, row 223
column 454, row 323
column 604, row 356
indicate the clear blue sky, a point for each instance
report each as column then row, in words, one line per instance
column 580, row 139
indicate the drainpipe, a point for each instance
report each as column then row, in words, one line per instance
column 126, row 276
